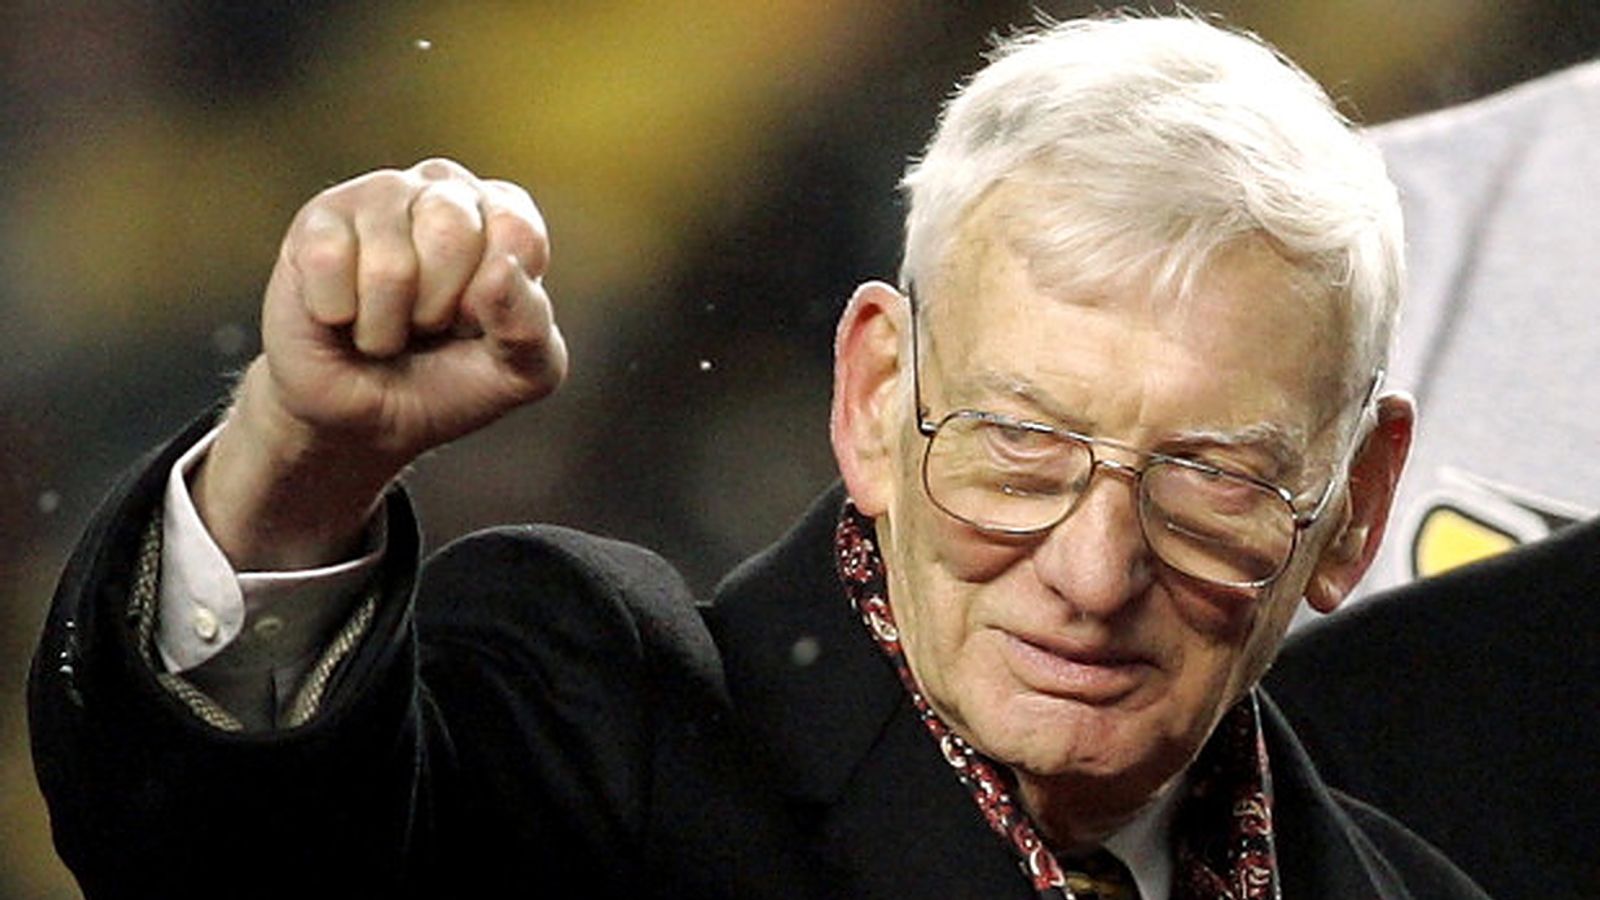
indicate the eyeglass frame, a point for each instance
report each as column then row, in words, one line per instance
column 1301, row 520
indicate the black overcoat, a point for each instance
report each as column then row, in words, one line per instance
column 1468, row 705
column 537, row 708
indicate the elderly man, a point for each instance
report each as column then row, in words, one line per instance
column 1122, row 415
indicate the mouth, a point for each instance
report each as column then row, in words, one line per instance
column 1092, row 674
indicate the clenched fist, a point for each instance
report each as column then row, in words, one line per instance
column 406, row 309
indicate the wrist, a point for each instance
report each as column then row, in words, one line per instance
column 278, row 494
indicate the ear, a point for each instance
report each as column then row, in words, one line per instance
column 1365, row 511
column 866, row 370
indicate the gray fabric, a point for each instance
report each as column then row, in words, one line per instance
column 1499, row 339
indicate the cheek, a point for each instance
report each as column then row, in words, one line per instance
column 1230, row 640
column 969, row 556
column 1223, row 636
column 938, row 571
column 1216, row 616
column 941, row 549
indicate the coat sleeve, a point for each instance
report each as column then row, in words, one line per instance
column 501, row 721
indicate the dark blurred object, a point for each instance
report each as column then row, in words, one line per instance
column 1466, row 706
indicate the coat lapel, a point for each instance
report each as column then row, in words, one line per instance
column 830, row 720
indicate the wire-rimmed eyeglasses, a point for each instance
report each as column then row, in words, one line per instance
column 1012, row 476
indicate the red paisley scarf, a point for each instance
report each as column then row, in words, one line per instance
column 1223, row 827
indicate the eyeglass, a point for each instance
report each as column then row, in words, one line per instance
column 1012, row 476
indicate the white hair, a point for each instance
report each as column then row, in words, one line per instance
column 1146, row 145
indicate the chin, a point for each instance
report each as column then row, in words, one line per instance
column 1117, row 755
column 1050, row 737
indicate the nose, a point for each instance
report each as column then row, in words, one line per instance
column 1097, row 559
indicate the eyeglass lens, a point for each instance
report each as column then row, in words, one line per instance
column 1019, row 478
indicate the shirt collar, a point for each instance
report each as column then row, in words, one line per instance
column 1145, row 845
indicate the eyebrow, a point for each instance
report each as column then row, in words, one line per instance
column 1280, row 443
column 1016, row 388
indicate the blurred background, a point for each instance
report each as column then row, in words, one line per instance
column 717, row 175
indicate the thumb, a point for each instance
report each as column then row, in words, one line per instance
column 517, row 322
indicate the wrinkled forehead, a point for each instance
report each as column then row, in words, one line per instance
column 1078, row 241
column 1079, row 252
column 1024, row 290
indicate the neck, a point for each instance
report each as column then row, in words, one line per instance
column 1076, row 815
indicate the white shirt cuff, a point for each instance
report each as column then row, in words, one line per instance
column 275, row 618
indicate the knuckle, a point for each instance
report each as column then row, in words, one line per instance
column 439, row 168
column 320, row 216
column 361, row 189
column 378, row 181
column 390, row 179
column 499, row 293
column 517, row 234
column 447, row 199
column 510, row 193
column 447, row 232
column 514, row 198
column 323, row 253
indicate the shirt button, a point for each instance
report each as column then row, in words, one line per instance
column 205, row 624
column 268, row 627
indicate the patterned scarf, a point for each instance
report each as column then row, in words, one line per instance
column 1223, row 826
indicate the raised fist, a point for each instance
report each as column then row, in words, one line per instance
column 406, row 309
